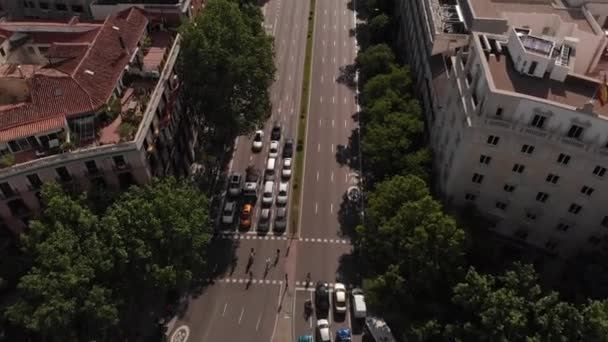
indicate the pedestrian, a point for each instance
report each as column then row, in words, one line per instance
column 267, row 263
column 286, row 277
column 250, row 274
column 307, row 279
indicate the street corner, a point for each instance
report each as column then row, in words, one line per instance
column 180, row 334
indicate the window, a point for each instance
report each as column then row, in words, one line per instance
column 483, row 159
column 585, row 190
column 527, row 149
column 92, row 168
column 599, row 171
column 605, row 222
column 63, row 173
column 563, row 159
column 477, row 178
column 120, row 162
column 575, row 132
column 76, row 8
column 43, row 5
column 469, row 197
column 493, row 140
column 61, row 7
column 551, row 245
column 574, row 208
column 542, row 197
column 538, row 121
column 501, row 205
column 530, row 216
column 551, row 178
column 518, row 168
column 35, row 181
column 7, row 190
column 509, row 188
column 562, row 227
column 2, row 53
column 498, row 112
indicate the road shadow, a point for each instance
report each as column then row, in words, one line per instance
column 349, row 216
column 349, row 154
column 347, row 76
column 222, row 261
column 349, row 271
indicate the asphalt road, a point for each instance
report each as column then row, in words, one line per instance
column 267, row 305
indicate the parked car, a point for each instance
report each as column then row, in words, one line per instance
column 339, row 298
column 286, row 170
column 288, row 148
column 273, row 151
column 322, row 296
column 258, row 141
column 305, row 338
column 264, row 221
column 323, row 329
column 275, row 134
column 228, row 212
column 252, row 179
column 280, row 220
column 268, row 196
column 343, row 335
column 246, row 216
column 358, row 304
column 235, row 184
column 283, row 193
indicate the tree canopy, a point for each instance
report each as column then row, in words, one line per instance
column 93, row 276
column 227, row 66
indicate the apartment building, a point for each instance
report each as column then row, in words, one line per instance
column 46, row 9
column 89, row 105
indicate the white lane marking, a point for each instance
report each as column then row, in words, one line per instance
column 333, row 99
column 274, row 30
column 292, row 58
column 346, row 178
column 250, row 158
column 344, row 99
column 316, row 207
column 332, row 123
column 310, row 318
column 321, row 99
column 332, row 177
column 224, row 312
column 332, row 148
column 325, row 12
column 293, row 42
column 319, row 147
column 334, row 43
column 322, row 78
column 324, row 43
column 317, row 176
column 344, row 60
column 289, row 78
column 334, row 60
column 319, row 122
column 257, row 326
column 331, row 208
column 322, row 59
column 241, row 316
column 345, row 43
column 344, row 27
column 344, row 123
column 323, row 27
column 344, row 12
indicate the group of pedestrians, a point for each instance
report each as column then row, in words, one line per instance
column 267, row 266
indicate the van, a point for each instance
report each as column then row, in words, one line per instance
column 270, row 165
column 358, row 304
column 267, row 196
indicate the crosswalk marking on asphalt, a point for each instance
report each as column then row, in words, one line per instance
column 254, row 236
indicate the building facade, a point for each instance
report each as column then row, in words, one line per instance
column 513, row 115
column 46, row 9
column 89, row 105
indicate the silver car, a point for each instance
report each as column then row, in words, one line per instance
column 228, row 212
column 280, row 219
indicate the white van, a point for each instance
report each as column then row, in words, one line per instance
column 358, row 304
column 270, row 169
column 267, row 196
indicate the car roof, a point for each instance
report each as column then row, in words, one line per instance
column 229, row 205
column 322, row 321
column 340, row 296
column 265, row 212
column 247, row 208
column 339, row 286
column 283, row 186
column 289, row 141
column 281, row 212
column 236, row 176
column 286, row 161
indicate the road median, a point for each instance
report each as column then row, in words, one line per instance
column 302, row 126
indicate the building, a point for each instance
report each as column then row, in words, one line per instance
column 87, row 104
column 166, row 12
column 45, row 9
column 509, row 90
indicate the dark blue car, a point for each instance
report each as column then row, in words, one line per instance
column 343, row 335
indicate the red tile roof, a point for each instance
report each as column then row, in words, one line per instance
column 81, row 82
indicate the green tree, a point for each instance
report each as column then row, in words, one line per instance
column 63, row 297
column 163, row 233
column 414, row 251
column 226, row 66
column 375, row 60
column 393, row 86
column 378, row 27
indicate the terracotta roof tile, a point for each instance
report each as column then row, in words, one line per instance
column 72, row 91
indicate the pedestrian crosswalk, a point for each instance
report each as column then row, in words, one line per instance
column 254, row 236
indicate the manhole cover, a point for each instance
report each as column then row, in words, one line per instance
column 181, row 334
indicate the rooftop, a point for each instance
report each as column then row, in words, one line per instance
column 496, row 8
column 575, row 91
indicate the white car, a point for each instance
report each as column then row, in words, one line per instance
column 273, row 151
column 267, row 195
column 286, row 171
column 282, row 194
column 323, row 328
column 339, row 298
column 258, row 141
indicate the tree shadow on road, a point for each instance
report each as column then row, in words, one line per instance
column 348, row 216
column 349, row 271
column 221, row 261
column 349, row 154
column 347, row 76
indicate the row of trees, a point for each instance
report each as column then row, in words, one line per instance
column 418, row 274
column 106, row 277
